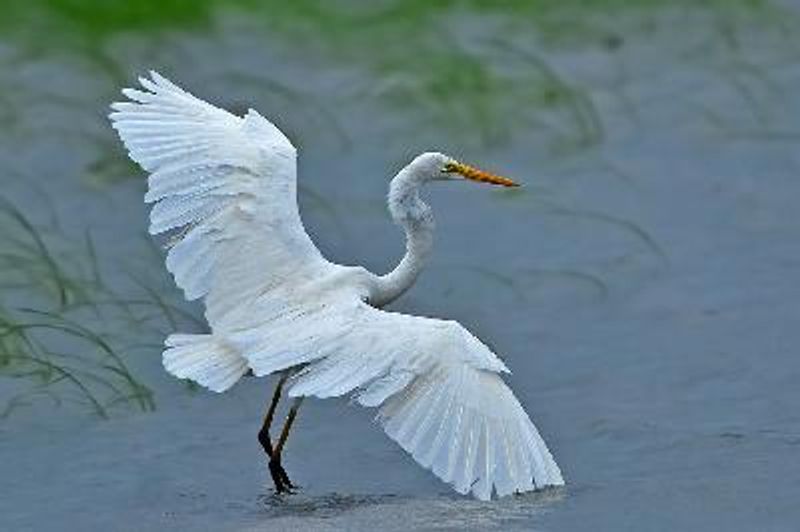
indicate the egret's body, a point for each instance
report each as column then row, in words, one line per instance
column 275, row 305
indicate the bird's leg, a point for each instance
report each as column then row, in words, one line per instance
column 279, row 475
column 263, row 434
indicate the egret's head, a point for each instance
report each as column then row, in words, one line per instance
column 404, row 202
column 438, row 167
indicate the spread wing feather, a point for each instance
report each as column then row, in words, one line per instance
column 438, row 389
column 228, row 184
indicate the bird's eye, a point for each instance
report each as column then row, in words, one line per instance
column 449, row 168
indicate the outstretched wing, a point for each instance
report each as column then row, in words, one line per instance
column 226, row 185
column 438, row 388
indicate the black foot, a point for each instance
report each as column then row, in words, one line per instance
column 280, row 478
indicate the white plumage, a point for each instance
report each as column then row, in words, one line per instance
column 274, row 303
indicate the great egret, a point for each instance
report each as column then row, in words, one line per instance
column 227, row 186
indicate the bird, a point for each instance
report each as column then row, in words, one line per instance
column 224, row 187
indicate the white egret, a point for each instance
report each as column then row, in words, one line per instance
column 227, row 186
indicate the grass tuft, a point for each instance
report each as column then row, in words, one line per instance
column 50, row 342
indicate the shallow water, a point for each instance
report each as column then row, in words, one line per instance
column 642, row 286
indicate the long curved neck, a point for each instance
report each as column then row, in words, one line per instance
column 414, row 216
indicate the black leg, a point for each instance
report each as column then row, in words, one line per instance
column 279, row 476
column 264, row 438
column 288, row 425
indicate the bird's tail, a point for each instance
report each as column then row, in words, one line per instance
column 205, row 359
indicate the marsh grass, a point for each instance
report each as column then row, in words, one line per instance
column 442, row 59
column 539, row 202
column 102, row 381
column 579, row 119
column 627, row 226
column 61, row 325
column 28, row 256
column 523, row 284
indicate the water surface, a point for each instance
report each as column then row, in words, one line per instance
column 643, row 286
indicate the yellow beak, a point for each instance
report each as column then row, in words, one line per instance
column 474, row 174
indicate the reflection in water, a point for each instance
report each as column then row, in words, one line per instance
column 330, row 505
column 395, row 512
